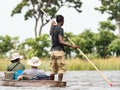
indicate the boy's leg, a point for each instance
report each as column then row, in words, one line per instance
column 60, row 76
column 61, row 66
column 52, row 76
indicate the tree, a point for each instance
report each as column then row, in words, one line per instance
column 36, row 47
column 104, row 38
column 6, row 44
column 85, row 41
column 68, row 50
column 112, row 7
column 114, row 47
column 33, row 8
column 107, row 25
column 88, row 41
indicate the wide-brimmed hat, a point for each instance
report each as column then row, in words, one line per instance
column 34, row 61
column 16, row 56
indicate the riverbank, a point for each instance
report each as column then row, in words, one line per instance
column 74, row 64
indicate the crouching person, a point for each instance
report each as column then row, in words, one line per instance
column 34, row 73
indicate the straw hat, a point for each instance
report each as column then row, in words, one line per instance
column 16, row 56
column 34, row 61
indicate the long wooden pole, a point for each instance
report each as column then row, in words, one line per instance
column 105, row 78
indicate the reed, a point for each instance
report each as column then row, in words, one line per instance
column 73, row 64
column 102, row 64
column 3, row 64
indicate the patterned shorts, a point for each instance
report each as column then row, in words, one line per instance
column 57, row 62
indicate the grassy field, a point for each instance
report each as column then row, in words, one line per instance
column 102, row 64
column 74, row 64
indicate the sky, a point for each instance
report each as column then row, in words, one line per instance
column 74, row 22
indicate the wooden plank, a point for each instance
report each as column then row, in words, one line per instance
column 32, row 83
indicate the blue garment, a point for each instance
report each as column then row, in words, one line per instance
column 41, row 77
column 17, row 73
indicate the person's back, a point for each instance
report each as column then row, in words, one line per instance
column 15, row 66
column 55, row 32
column 34, row 62
column 33, row 71
column 15, row 63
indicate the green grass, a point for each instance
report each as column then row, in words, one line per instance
column 102, row 64
column 3, row 64
column 74, row 64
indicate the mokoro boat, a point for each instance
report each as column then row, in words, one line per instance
column 32, row 83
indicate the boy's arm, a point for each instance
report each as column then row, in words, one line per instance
column 52, row 24
column 65, row 44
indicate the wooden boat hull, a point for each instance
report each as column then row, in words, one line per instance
column 32, row 83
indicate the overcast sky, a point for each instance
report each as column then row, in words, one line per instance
column 74, row 22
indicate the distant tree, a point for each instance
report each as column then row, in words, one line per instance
column 68, row 50
column 7, row 43
column 32, row 9
column 85, row 41
column 114, row 47
column 107, row 25
column 111, row 7
column 87, row 44
column 104, row 38
column 36, row 47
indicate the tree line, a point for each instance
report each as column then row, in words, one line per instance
column 102, row 44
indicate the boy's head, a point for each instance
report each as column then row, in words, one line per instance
column 60, row 19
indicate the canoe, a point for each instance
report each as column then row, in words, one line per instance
column 32, row 83
column 26, row 82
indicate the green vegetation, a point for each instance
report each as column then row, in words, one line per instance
column 112, row 8
column 75, row 64
column 101, row 64
column 103, row 44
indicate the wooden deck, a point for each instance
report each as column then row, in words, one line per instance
column 32, row 83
